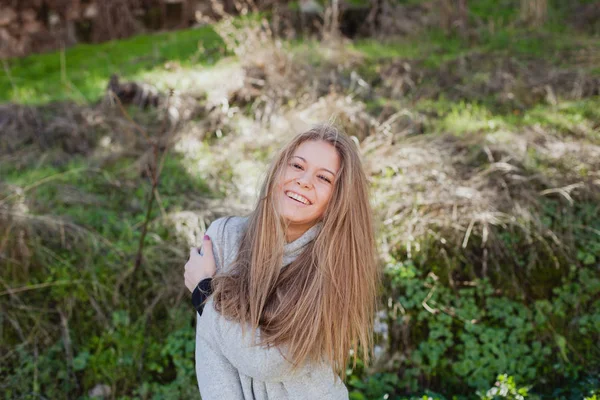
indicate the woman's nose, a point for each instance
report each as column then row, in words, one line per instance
column 303, row 181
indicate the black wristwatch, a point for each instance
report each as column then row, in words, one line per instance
column 201, row 292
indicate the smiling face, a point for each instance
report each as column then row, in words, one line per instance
column 307, row 184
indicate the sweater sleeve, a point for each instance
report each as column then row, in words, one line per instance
column 217, row 377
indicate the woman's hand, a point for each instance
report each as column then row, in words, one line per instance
column 200, row 267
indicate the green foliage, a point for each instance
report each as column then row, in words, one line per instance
column 382, row 386
column 466, row 331
column 505, row 388
column 500, row 12
column 465, row 335
column 376, row 386
column 469, row 335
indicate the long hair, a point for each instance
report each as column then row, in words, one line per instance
column 322, row 305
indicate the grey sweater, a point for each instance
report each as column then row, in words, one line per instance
column 229, row 365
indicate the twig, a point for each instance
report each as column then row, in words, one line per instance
column 67, row 343
column 12, row 291
column 155, row 177
column 147, row 322
column 138, row 257
column 47, row 219
column 424, row 302
column 468, row 234
column 564, row 191
column 9, row 76
column 126, row 115
column 41, row 181
column 63, row 65
column 163, row 212
column 63, row 74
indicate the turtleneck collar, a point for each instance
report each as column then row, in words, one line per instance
column 293, row 249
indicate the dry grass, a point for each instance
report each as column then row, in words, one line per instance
column 463, row 193
column 478, row 76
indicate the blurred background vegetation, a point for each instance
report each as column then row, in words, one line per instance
column 126, row 126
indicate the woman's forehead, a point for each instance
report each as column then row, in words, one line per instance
column 320, row 154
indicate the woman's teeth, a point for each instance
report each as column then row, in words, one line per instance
column 298, row 197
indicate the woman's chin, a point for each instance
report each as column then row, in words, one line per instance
column 294, row 218
column 295, row 213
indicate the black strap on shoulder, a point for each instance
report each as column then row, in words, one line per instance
column 201, row 292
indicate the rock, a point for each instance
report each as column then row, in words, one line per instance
column 32, row 27
column 91, row 11
column 73, row 13
column 100, row 390
column 28, row 15
column 7, row 15
column 311, row 7
column 53, row 19
column 140, row 94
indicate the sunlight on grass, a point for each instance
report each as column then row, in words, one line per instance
column 375, row 49
column 579, row 117
column 433, row 47
column 216, row 81
column 469, row 117
column 567, row 117
column 195, row 154
column 81, row 73
column 461, row 118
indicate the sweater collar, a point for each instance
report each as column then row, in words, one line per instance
column 293, row 249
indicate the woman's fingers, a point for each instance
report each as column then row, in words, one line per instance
column 207, row 246
column 211, row 266
column 188, row 280
column 199, row 266
column 193, row 252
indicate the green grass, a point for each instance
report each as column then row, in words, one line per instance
column 97, row 203
column 499, row 11
column 434, row 47
column 379, row 50
column 81, row 73
column 464, row 117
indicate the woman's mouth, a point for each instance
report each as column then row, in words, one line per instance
column 298, row 197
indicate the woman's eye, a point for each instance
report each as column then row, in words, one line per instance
column 296, row 165
column 324, row 178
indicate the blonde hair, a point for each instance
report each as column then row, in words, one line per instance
column 322, row 305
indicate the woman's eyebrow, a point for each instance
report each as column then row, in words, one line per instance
column 325, row 169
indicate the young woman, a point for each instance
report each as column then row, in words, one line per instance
column 294, row 284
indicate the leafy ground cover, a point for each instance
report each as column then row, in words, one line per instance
column 484, row 159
